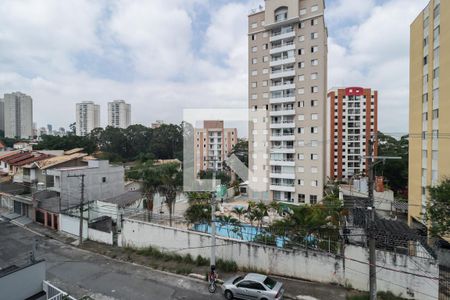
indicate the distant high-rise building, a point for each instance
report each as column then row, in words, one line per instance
column 212, row 145
column 157, row 124
column 2, row 115
column 88, row 117
column 49, row 128
column 286, row 96
column 18, row 115
column 119, row 114
column 351, row 124
column 429, row 105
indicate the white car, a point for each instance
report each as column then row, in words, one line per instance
column 253, row 286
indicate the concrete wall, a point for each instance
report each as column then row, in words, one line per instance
column 23, row 283
column 6, row 202
column 100, row 236
column 311, row 265
column 71, row 225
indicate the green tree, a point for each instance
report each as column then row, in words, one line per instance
column 394, row 171
column 241, row 151
column 438, row 210
column 239, row 211
column 220, row 175
column 171, row 178
column 198, row 213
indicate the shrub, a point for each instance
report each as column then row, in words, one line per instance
column 226, row 265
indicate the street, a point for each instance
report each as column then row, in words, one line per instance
column 82, row 273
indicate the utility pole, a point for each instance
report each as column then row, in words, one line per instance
column 81, row 205
column 372, row 160
column 213, row 221
column 370, row 226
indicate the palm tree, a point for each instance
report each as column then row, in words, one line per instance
column 239, row 211
column 171, row 179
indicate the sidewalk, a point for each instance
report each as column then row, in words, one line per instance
column 295, row 289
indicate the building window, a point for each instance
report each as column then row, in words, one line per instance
column 254, row 49
column 301, row 130
column 314, row 62
column 314, row 183
column 281, row 14
column 254, row 84
column 425, row 60
column 313, row 199
column 254, row 72
column 301, row 91
column 301, row 51
column 301, row 156
column 314, row 129
column 301, row 198
column 437, row 11
column 264, row 83
column 435, row 114
column 301, row 103
column 314, row 49
column 314, row 103
column 314, row 170
column 301, row 38
column 254, row 61
column 265, row 71
column 314, row 21
column 254, row 25
column 103, row 179
column 301, row 25
column 314, row 89
column 301, row 77
column 314, row 35
column 314, row 143
column 253, row 37
column 314, row 156
column 302, row 11
column 314, row 116
column 301, row 169
column 314, row 8
column 301, row 117
column 265, row 58
column 301, row 65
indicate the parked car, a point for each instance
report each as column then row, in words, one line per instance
column 253, row 286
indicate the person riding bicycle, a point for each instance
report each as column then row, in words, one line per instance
column 213, row 274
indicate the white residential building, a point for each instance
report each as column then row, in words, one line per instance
column 119, row 114
column 18, row 115
column 88, row 117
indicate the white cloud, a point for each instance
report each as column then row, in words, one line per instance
column 376, row 55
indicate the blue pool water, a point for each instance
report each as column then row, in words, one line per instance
column 241, row 232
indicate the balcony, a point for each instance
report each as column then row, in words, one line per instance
column 282, row 175
column 283, row 124
column 282, row 150
column 282, row 48
column 282, row 61
column 282, row 188
column 283, row 112
column 282, row 35
column 283, row 162
column 282, row 73
column 282, row 86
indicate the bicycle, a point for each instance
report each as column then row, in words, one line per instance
column 212, row 287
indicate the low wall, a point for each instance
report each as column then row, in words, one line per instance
column 100, row 236
column 23, row 282
column 396, row 274
column 71, row 225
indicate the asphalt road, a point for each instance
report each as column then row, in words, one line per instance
column 81, row 273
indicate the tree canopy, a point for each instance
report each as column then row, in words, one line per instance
column 438, row 210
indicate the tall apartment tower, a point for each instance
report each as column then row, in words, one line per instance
column 88, row 117
column 2, row 115
column 18, row 115
column 287, row 96
column 213, row 144
column 119, row 114
column 352, row 121
column 429, row 104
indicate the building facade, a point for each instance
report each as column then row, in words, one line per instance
column 18, row 115
column 429, row 104
column 88, row 117
column 213, row 144
column 352, row 121
column 287, row 96
column 119, row 114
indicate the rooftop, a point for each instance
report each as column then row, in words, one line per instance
column 125, row 199
column 57, row 160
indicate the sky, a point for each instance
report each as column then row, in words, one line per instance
column 166, row 55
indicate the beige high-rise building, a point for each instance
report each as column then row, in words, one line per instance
column 119, row 114
column 88, row 117
column 213, row 144
column 429, row 104
column 287, row 98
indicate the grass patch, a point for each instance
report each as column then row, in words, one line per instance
column 226, row 265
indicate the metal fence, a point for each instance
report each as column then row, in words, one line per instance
column 54, row 293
